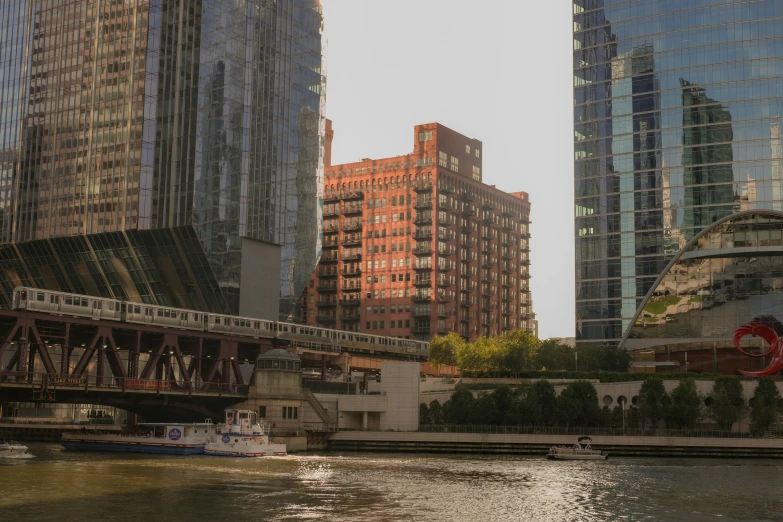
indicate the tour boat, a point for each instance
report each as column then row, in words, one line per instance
column 577, row 451
column 241, row 435
column 12, row 449
column 168, row 438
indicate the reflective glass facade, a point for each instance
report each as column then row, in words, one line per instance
column 677, row 110
column 146, row 137
column 729, row 276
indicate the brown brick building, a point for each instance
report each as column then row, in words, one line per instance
column 417, row 245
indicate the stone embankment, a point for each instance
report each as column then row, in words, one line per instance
column 515, row 444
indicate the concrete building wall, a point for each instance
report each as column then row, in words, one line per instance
column 400, row 382
column 260, row 296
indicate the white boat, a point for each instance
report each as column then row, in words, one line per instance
column 577, row 451
column 241, row 435
column 12, row 449
column 167, row 438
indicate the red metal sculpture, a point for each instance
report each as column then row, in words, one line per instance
column 769, row 329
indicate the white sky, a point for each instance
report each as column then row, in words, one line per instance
column 498, row 71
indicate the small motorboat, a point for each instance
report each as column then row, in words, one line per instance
column 12, row 449
column 167, row 438
column 241, row 435
column 578, row 451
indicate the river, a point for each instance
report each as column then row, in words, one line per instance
column 65, row 486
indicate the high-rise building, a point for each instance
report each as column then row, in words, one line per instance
column 153, row 151
column 677, row 177
column 417, row 245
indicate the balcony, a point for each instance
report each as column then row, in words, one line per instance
column 331, row 213
column 487, row 263
column 329, row 259
column 422, row 251
column 486, row 248
column 422, row 220
column 506, row 284
column 349, row 227
column 465, row 303
column 325, row 319
column 464, row 319
column 329, row 274
column 352, row 288
column 443, row 220
column 423, row 187
column 467, row 244
column 352, row 257
column 507, row 255
column 421, row 298
column 422, row 282
column 325, row 304
column 351, row 210
column 422, row 235
column 421, row 329
column 443, row 298
column 507, row 298
column 329, row 244
column 442, row 282
column 353, row 195
column 466, row 196
column 350, row 302
column 443, row 268
column 444, row 188
column 488, row 219
column 422, row 313
column 331, row 230
column 331, row 197
column 506, row 312
column 485, row 292
column 422, row 267
column 507, row 212
column 444, row 236
column 326, row 288
column 442, row 313
column 508, row 269
column 524, row 290
column 486, row 204
column 509, row 225
column 422, row 205
column 486, row 307
column 525, row 235
column 525, row 262
column 352, row 273
column 350, row 318
column 350, row 241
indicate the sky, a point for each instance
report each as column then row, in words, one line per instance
column 498, row 71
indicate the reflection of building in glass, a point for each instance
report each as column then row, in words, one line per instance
column 729, row 274
column 150, row 144
column 658, row 158
column 707, row 159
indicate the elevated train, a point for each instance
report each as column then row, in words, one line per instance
column 61, row 303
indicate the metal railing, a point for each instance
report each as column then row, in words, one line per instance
column 700, row 432
column 51, row 382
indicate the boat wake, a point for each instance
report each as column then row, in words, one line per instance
column 20, row 456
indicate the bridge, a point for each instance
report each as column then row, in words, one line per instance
column 154, row 371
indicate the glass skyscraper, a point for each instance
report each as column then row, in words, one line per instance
column 677, row 112
column 145, row 145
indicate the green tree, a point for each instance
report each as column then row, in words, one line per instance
column 424, row 414
column 577, row 405
column 652, row 400
column 765, row 410
column 555, row 356
column 504, row 399
column 547, row 402
column 684, row 409
column 435, row 412
column 527, row 405
column 633, row 418
column 459, row 408
column 518, row 350
column 443, row 349
column 484, row 410
column 728, row 403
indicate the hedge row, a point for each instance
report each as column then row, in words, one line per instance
column 600, row 376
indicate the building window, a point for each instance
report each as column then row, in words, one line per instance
column 443, row 159
column 454, row 164
column 467, row 149
column 478, row 154
column 425, row 136
column 476, row 173
column 262, row 412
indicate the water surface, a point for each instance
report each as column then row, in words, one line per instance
column 65, row 486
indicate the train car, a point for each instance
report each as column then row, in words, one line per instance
column 298, row 332
column 62, row 303
column 167, row 317
column 229, row 324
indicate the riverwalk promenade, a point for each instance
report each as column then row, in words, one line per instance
column 538, row 444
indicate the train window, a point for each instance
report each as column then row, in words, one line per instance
column 257, row 325
column 217, row 320
column 85, row 302
column 77, row 301
column 38, row 297
column 51, row 299
column 160, row 313
column 136, row 309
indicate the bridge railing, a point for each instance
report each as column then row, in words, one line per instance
column 50, row 382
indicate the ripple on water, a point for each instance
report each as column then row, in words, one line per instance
column 61, row 485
